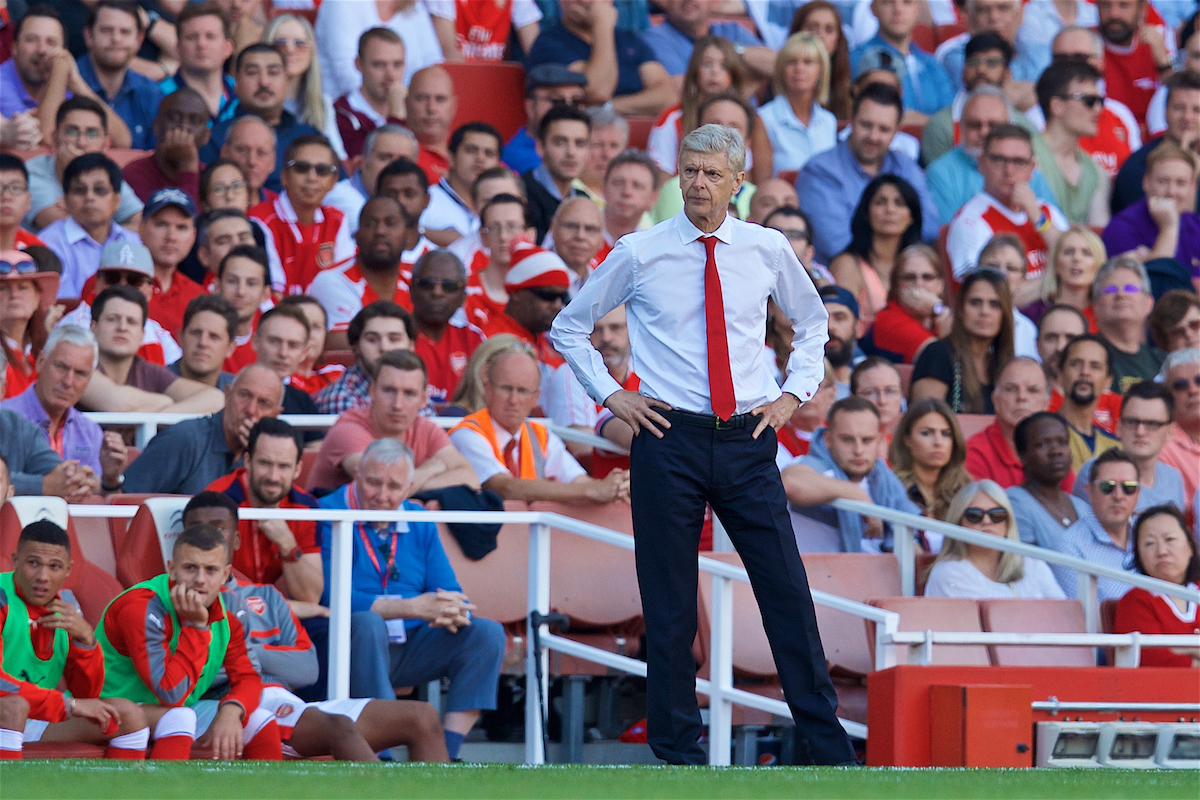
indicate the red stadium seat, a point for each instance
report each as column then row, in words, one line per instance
column 938, row 614
column 595, row 585
column 141, row 550
column 972, row 424
column 344, row 357
column 497, row 584
column 639, row 131
column 913, row 129
column 789, row 175
column 1036, row 616
column 945, row 33
column 491, row 92
column 92, row 586
column 307, row 459
column 924, row 37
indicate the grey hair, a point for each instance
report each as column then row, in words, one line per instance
column 518, row 347
column 986, row 90
column 73, row 334
column 604, row 117
column 388, row 451
column 1121, row 262
column 1097, row 41
column 438, row 253
column 391, row 127
column 246, row 119
column 1188, row 355
column 713, row 138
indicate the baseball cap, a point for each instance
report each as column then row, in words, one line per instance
column 169, row 197
column 132, row 256
column 839, row 294
column 553, row 75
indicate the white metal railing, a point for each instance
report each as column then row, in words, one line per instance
column 147, row 425
column 719, row 687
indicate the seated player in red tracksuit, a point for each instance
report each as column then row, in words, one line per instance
column 354, row 729
column 46, row 640
column 164, row 642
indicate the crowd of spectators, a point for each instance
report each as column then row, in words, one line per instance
column 238, row 209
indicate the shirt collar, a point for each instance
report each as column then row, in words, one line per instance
column 542, row 176
column 283, row 207
column 357, row 102
column 689, row 233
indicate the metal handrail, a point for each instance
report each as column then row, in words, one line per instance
column 148, row 424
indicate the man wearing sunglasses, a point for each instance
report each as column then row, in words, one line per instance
column 1102, row 537
column 445, row 339
column 1006, row 204
column 536, row 284
column 1070, row 99
column 307, row 235
column 1147, row 411
column 1181, row 373
column 1122, row 300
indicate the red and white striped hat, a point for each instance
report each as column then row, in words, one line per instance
column 531, row 267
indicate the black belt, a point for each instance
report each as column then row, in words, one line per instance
column 711, row 420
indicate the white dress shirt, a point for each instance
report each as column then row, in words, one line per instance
column 447, row 210
column 659, row 275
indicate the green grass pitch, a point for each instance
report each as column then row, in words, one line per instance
column 97, row 780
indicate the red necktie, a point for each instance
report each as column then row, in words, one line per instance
column 509, row 460
column 720, row 376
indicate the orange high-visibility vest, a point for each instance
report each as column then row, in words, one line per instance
column 531, row 461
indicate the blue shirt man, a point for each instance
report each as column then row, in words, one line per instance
column 829, row 188
column 558, row 45
column 924, row 82
column 410, row 622
column 673, row 48
column 78, row 438
column 954, row 178
column 136, row 102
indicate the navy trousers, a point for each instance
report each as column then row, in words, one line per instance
column 672, row 479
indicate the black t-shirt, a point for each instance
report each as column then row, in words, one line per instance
column 1131, row 368
column 939, row 361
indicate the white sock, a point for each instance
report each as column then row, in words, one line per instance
column 11, row 740
column 138, row 740
column 176, row 722
column 258, row 720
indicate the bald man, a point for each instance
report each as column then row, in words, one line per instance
column 431, row 104
column 188, row 456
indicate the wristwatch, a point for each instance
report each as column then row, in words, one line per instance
column 939, row 309
column 117, row 488
column 293, row 555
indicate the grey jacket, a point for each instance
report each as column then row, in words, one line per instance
column 26, row 451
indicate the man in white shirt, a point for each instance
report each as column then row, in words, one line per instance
column 519, row 459
column 474, row 147
column 1006, row 205
column 695, row 290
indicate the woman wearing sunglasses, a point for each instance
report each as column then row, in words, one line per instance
column 969, row 570
column 293, row 37
column 1162, row 549
column 26, row 293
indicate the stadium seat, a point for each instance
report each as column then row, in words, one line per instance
column 491, row 92
column 945, row 33
column 855, row 576
column 789, row 175
column 92, row 586
column 913, row 129
column 595, row 585
column 922, row 563
column 1036, row 616
column 307, row 459
column 639, row 131
column 972, row 424
column 925, row 38
column 937, row 614
column 497, row 584
column 1108, row 615
column 344, row 357
column 142, row 549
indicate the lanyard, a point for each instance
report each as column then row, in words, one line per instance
column 384, row 572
